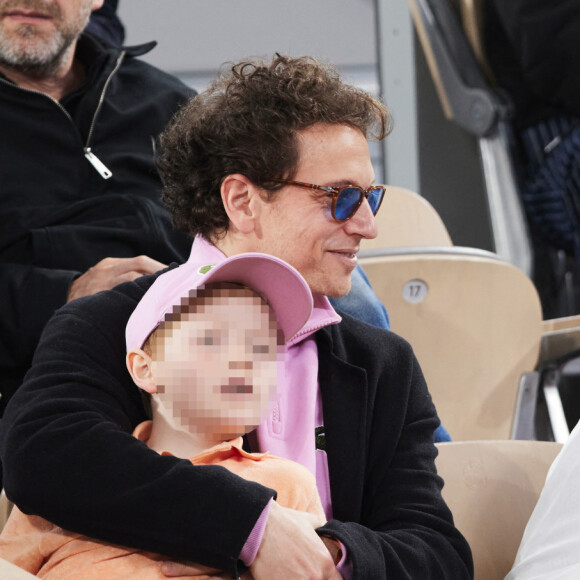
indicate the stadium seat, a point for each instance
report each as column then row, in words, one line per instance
column 492, row 488
column 475, row 324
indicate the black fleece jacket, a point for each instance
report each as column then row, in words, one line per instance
column 58, row 216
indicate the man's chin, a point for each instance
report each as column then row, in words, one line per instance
column 39, row 51
column 336, row 290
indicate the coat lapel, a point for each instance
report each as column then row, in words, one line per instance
column 344, row 402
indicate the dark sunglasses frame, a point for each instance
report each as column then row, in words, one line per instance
column 336, row 191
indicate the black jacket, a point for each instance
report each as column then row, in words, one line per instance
column 69, row 455
column 58, row 216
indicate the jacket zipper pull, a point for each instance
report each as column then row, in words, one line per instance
column 103, row 170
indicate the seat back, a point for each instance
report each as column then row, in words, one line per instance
column 560, row 336
column 474, row 322
column 405, row 219
column 492, row 488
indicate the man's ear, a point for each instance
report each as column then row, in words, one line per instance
column 242, row 202
column 97, row 4
column 139, row 366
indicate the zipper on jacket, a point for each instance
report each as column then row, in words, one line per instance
column 103, row 170
column 99, row 166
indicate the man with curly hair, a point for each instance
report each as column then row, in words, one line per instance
column 272, row 158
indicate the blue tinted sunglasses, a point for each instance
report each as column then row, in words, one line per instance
column 346, row 199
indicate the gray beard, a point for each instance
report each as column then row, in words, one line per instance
column 38, row 57
column 31, row 52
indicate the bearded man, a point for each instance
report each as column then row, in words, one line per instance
column 80, row 196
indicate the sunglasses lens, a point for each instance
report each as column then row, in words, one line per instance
column 347, row 203
column 375, row 198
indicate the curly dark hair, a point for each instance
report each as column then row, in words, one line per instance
column 246, row 122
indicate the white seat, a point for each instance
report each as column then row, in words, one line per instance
column 474, row 322
column 492, row 488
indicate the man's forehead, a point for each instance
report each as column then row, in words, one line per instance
column 318, row 146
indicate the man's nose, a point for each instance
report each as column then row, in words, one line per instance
column 363, row 222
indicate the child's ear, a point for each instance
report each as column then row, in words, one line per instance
column 139, row 366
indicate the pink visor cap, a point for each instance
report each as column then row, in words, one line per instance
column 277, row 282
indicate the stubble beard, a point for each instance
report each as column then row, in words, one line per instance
column 34, row 51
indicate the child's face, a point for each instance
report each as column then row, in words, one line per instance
column 215, row 369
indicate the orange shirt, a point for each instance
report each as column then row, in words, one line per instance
column 48, row 551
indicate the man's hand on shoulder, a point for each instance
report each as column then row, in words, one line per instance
column 109, row 272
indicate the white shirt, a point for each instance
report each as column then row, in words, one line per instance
column 550, row 547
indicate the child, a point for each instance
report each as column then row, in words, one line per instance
column 205, row 345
